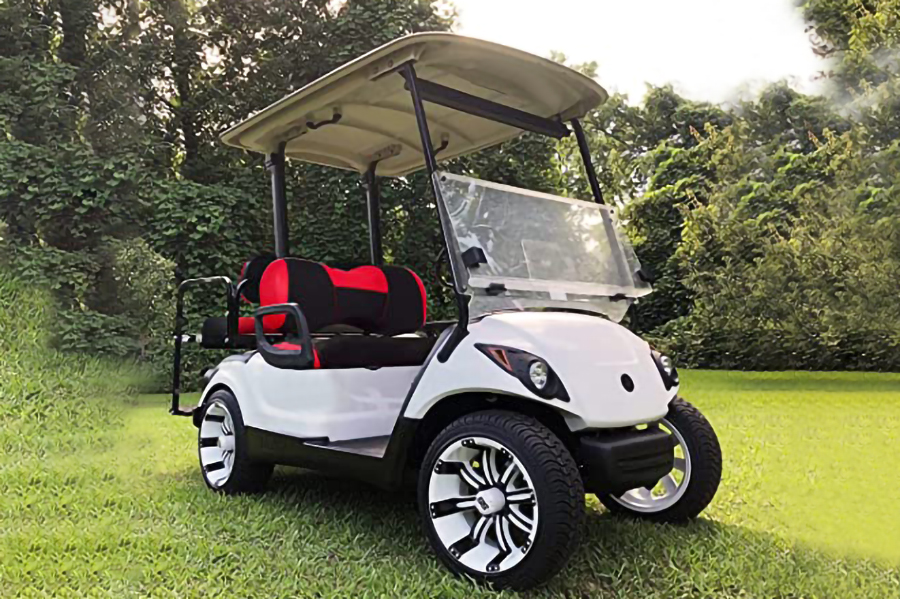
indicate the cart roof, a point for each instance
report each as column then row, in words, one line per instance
column 377, row 121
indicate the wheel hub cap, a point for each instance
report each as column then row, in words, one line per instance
column 670, row 488
column 490, row 501
column 217, row 444
column 483, row 505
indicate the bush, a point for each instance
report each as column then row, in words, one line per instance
column 51, row 400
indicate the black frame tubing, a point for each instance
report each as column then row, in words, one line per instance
column 408, row 72
column 275, row 166
column 231, row 300
column 486, row 109
column 585, row 151
column 373, row 209
column 608, row 226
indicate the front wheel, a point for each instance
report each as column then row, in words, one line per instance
column 501, row 499
column 686, row 491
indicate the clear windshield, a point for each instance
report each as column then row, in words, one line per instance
column 540, row 250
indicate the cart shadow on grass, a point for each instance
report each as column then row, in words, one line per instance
column 617, row 556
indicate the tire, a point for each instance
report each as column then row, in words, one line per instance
column 701, row 472
column 222, row 449
column 521, row 540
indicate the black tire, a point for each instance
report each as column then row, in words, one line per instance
column 246, row 476
column 706, row 468
column 557, row 487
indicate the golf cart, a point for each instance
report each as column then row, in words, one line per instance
column 530, row 397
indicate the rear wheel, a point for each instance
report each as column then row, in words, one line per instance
column 222, row 449
column 501, row 499
column 685, row 491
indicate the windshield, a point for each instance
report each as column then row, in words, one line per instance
column 539, row 250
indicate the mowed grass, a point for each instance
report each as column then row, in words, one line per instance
column 809, row 507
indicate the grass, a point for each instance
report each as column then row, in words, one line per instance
column 808, row 508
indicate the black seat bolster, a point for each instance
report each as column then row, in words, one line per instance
column 215, row 331
column 365, row 351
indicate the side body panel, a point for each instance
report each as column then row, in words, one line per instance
column 338, row 404
column 589, row 354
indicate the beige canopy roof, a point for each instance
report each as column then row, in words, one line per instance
column 376, row 119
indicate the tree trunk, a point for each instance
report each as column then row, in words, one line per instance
column 186, row 59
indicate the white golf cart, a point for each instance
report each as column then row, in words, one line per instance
column 533, row 396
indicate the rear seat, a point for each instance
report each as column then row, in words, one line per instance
column 377, row 302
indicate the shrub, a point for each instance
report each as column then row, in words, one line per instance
column 50, row 399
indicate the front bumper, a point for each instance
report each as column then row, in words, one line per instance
column 616, row 461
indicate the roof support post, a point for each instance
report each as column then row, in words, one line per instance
column 462, row 300
column 275, row 166
column 412, row 84
column 373, row 206
column 608, row 225
column 588, row 163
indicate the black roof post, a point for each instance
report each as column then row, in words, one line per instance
column 586, row 158
column 373, row 206
column 462, row 301
column 275, row 166
column 609, row 227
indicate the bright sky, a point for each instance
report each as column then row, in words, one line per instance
column 708, row 49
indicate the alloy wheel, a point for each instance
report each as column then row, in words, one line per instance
column 670, row 487
column 217, row 444
column 483, row 505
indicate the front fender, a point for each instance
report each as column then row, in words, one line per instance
column 588, row 353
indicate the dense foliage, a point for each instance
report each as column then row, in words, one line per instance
column 112, row 182
column 50, row 401
column 771, row 224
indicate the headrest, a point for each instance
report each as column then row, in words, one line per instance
column 252, row 271
column 387, row 300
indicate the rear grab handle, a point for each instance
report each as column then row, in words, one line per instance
column 296, row 351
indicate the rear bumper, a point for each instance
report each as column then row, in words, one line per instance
column 615, row 462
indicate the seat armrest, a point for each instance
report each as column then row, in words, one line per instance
column 296, row 351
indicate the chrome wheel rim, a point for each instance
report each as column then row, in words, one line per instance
column 670, row 488
column 482, row 505
column 217, row 444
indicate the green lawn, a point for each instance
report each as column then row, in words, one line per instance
column 809, row 507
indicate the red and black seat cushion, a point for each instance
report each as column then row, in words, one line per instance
column 387, row 300
column 369, row 351
column 294, row 346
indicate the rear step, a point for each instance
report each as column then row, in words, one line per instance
column 371, row 446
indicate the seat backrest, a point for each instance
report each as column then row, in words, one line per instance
column 387, row 300
column 252, row 271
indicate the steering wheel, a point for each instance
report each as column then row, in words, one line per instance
column 443, row 258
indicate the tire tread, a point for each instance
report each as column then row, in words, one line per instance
column 562, row 507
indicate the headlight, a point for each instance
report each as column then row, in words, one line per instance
column 667, row 369
column 538, row 372
column 534, row 372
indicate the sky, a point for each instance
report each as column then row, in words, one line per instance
column 714, row 50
